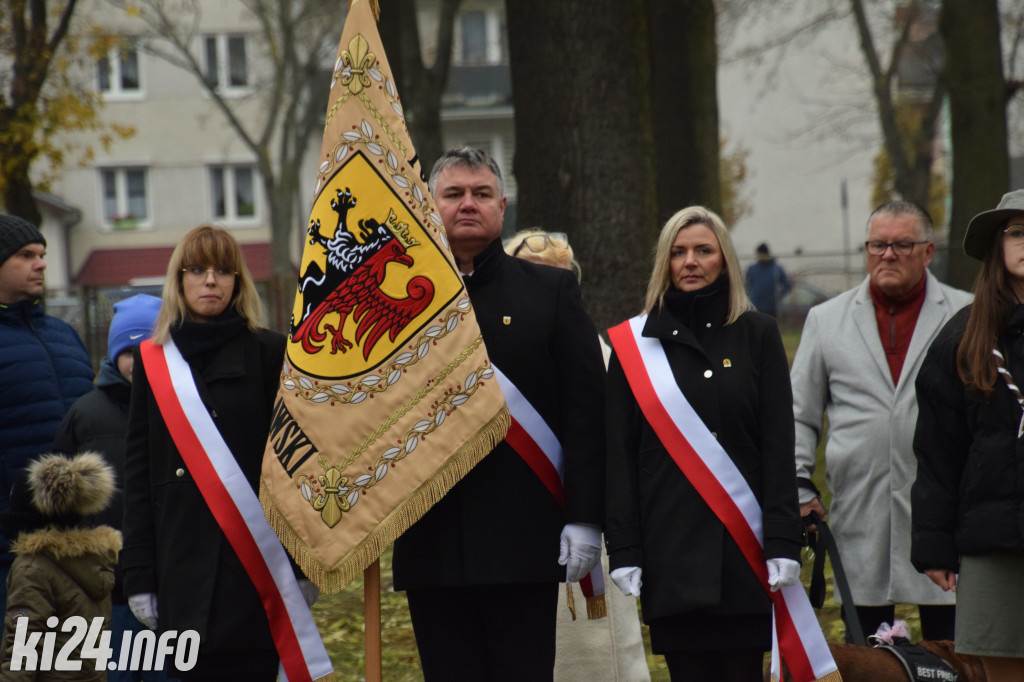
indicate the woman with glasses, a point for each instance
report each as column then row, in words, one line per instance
column 967, row 529
column 608, row 648
column 180, row 571
column 700, row 344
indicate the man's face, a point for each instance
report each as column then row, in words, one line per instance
column 22, row 275
column 896, row 275
column 471, row 210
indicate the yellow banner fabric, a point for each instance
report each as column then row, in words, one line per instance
column 387, row 397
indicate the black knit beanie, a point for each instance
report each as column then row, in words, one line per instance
column 15, row 233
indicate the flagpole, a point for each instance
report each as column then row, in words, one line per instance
column 371, row 607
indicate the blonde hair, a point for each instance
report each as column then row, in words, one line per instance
column 661, row 277
column 211, row 247
column 552, row 254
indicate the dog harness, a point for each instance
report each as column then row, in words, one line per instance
column 921, row 665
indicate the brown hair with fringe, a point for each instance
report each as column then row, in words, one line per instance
column 210, row 247
column 993, row 301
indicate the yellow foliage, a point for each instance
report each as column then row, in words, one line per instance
column 732, row 171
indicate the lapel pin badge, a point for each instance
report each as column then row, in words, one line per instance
column 727, row 363
column 506, row 320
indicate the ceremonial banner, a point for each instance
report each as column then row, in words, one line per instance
column 387, row 397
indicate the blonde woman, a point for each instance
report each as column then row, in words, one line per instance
column 587, row 650
column 180, row 570
column 707, row 610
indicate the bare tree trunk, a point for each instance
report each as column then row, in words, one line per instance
column 977, row 104
column 32, row 47
column 584, row 146
column 420, row 86
column 684, row 98
column 910, row 150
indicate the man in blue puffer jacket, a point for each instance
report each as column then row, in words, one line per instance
column 44, row 366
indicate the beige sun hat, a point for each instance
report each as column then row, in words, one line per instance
column 981, row 227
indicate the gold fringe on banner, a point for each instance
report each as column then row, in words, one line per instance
column 335, row 579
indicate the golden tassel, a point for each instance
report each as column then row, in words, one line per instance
column 597, row 607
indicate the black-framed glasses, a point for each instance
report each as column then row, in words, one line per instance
column 199, row 272
column 538, row 242
column 877, row 247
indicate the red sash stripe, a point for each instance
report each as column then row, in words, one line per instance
column 528, row 449
column 709, row 469
column 238, row 512
column 534, row 441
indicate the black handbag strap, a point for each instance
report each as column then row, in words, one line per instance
column 826, row 544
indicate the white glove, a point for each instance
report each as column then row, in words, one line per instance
column 143, row 607
column 783, row 573
column 579, row 550
column 627, row 579
column 310, row 592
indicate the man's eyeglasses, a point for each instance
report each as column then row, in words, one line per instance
column 877, row 247
column 199, row 272
column 538, row 242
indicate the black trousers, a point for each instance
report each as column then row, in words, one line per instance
column 937, row 621
column 494, row 633
column 721, row 665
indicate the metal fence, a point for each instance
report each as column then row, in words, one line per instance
column 815, row 276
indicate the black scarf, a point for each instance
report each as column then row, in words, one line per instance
column 196, row 339
column 683, row 304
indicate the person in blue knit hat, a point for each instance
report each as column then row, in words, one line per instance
column 98, row 422
column 44, row 366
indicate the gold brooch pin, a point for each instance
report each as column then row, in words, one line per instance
column 727, row 363
column 506, row 320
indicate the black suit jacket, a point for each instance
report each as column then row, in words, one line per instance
column 500, row 524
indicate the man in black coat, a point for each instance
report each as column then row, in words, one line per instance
column 482, row 567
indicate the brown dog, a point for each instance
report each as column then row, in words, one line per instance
column 868, row 664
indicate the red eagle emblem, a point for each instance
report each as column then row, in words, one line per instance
column 350, row 286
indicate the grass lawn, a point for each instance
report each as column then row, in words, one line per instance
column 340, row 616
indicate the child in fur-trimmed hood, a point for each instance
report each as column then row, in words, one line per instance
column 64, row 565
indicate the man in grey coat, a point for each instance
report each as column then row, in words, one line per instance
column 858, row 358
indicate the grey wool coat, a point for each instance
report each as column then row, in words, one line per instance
column 840, row 368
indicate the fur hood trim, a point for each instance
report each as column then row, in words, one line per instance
column 80, row 486
column 70, row 543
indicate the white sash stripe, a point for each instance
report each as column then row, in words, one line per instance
column 697, row 433
column 531, row 421
column 248, row 504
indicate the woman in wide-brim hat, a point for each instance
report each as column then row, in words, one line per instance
column 967, row 529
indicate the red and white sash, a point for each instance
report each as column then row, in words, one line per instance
column 710, row 470
column 238, row 513
column 534, row 441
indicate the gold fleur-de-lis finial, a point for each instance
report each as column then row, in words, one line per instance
column 354, row 65
column 333, row 502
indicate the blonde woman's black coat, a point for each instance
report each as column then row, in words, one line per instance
column 736, row 377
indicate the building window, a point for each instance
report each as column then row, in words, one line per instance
column 227, row 64
column 125, row 202
column 118, row 72
column 479, row 40
column 233, row 192
column 473, row 31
